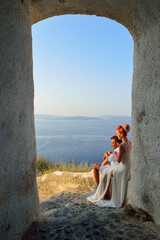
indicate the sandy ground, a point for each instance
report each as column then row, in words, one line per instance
column 68, row 215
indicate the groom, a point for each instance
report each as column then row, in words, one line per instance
column 107, row 159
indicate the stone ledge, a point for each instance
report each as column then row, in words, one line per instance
column 55, row 182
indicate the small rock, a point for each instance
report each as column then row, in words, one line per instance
column 88, row 235
column 112, row 226
column 118, row 238
column 130, row 234
column 95, row 232
column 43, row 229
column 107, row 234
column 95, row 225
column 113, row 216
column 67, row 230
column 88, row 229
column 119, row 232
column 151, row 236
column 84, row 223
column 129, row 210
column 117, row 221
column 79, row 234
column 56, row 215
column 142, row 238
column 143, row 217
column 137, row 215
column 51, row 234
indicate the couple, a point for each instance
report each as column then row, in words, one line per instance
column 111, row 189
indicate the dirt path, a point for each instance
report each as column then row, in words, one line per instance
column 67, row 215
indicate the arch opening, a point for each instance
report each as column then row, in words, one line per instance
column 95, row 68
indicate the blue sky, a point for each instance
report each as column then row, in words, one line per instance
column 82, row 66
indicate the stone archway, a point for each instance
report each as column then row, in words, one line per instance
column 19, row 198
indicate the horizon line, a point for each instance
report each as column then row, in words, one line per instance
column 101, row 116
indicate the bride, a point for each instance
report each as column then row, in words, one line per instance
column 114, row 179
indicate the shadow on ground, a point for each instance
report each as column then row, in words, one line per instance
column 67, row 215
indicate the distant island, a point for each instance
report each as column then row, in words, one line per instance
column 54, row 117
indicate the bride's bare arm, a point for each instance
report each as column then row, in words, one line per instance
column 119, row 156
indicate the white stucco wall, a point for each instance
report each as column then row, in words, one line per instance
column 144, row 190
column 18, row 191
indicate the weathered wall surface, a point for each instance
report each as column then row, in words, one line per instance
column 18, row 198
column 144, row 190
column 18, row 191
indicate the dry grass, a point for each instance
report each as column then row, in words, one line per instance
column 46, row 166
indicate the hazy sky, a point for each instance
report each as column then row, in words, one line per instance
column 83, row 65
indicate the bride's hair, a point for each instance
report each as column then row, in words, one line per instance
column 123, row 129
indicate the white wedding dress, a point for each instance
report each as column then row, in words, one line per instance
column 119, row 180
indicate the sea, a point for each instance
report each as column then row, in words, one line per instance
column 77, row 139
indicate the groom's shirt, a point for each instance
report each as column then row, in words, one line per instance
column 112, row 159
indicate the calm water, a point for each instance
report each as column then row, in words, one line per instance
column 75, row 138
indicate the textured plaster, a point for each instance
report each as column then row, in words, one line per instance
column 18, row 199
column 19, row 204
